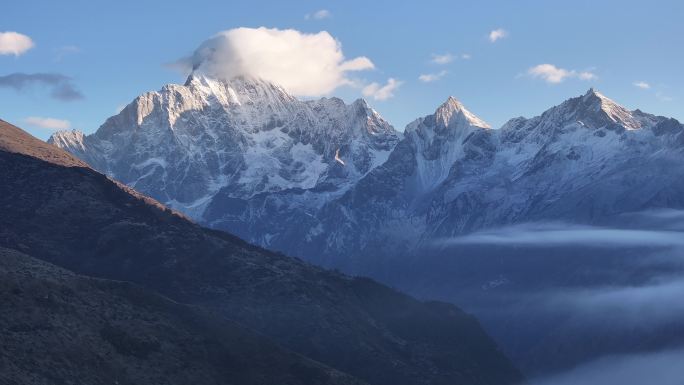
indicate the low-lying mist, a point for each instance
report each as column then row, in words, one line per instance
column 568, row 301
column 654, row 368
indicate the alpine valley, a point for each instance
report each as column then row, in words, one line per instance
column 432, row 210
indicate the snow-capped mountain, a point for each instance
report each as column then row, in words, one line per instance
column 239, row 139
column 436, row 140
column 379, row 215
column 246, row 157
column 582, row 161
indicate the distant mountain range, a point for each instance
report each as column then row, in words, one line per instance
column 583, row 161
column 336, row 185
column 246, row 157
column 240, row 302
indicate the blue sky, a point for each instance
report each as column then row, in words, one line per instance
column 114, row 51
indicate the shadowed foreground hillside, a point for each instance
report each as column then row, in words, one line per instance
column 77, row 218
column 60, row 328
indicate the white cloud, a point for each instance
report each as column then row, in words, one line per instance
column 14, row 43
column 586, row 75
column 549, row 72
column 641, row 84
column 358, row 64
column 497, row 34
column 442, row 59
column 554, row 75
column 48, row 123
column 319, row 15
column 466, row 56
column 427, row 78
column 378, row 92
column 306, row 64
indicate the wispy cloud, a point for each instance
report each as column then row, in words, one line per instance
column 14, row 43
column 641, row 84
column 66, row 50
column 61, row 86
column 497, row 34
column 428, row 78
column 563, row 234
column 319, row 15
column 586, row 75
column 659, row 94
column 554, row 75
column 382, row 92
column 445, row 58
column 48, row 123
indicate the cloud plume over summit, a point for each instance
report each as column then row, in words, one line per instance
column 306, row 64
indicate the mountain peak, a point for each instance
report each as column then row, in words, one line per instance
column 594, row 95
column 594, row 102
column 237, row 91
column 595, row 110
column 200, row 78
column 451, row 104
column 67, row 138
column 362, row 103
column 592, row 91
column 452, row 111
